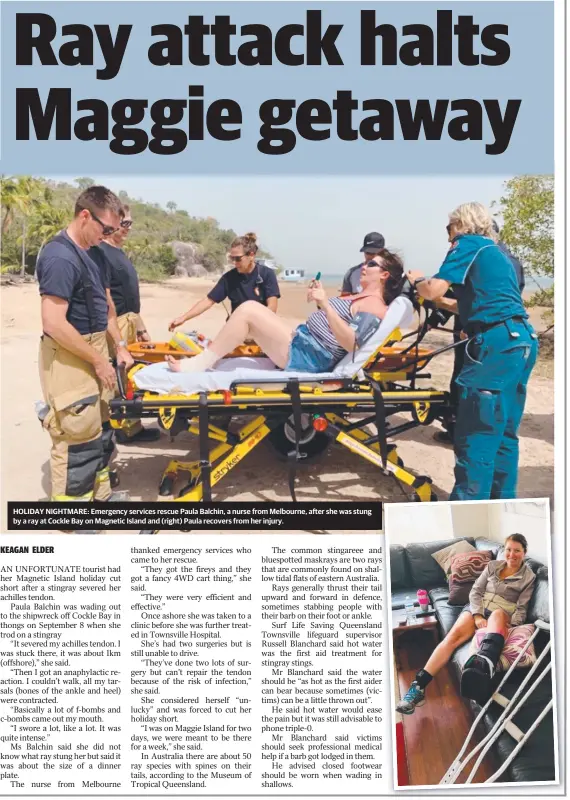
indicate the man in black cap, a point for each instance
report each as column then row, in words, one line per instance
column 373, row 244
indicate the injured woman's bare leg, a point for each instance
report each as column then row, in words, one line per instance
column 463, row 629
column 250, row 320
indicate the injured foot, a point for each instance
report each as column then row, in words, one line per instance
column 200, row 363
column 477, row 679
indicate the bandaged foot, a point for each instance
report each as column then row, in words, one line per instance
column 200, row 363
column 478, row 672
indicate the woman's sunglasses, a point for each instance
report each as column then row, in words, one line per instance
column 237, row 259
column 107, row 229
column 126, row 223
column 448, row 229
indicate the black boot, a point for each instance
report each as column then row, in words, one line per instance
column 478, row 672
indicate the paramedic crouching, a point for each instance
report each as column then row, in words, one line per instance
column 500, row 354
column 76, row 375
column 248, row 280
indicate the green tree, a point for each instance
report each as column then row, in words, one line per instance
column 21, row 196
column 84, row 183
column 527, row 208
column 171, row 206
column 46, row 222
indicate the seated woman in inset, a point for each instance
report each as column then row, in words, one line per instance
column 329, row 333
column 498, row 601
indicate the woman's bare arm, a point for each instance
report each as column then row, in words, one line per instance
column 342, row 331
column 198, row 308
column 448, row 304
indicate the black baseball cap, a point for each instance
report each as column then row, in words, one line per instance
column 373, row 243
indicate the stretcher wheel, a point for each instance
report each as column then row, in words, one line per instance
column 311, row 444
column 424, row 413
column 166, row 486
column 189, row 486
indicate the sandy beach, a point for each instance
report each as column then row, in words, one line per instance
column 337, row 475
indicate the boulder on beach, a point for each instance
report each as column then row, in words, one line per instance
column 189, row 256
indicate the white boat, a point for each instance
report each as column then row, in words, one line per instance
column 292, row 275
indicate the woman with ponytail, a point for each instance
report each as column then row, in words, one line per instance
column 340, row 325
column 248, row 280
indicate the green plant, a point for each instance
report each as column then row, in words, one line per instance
column 527, row 207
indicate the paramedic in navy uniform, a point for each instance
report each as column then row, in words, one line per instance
column 248, row 280
column 498, row 360
column 446, row 436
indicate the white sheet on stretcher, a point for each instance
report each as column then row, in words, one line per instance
column 258, row 371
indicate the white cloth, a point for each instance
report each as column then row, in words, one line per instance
column 256, row 371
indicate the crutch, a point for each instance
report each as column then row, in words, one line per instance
column 504, row 723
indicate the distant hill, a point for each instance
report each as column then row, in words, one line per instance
column 35, row 209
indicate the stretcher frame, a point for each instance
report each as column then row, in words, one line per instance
column 377, row 395
column 504, row 723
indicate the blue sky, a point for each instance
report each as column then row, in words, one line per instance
column 318, row 223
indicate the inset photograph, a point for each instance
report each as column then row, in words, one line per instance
column 473, row 676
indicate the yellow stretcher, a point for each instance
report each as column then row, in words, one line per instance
column 299, row 419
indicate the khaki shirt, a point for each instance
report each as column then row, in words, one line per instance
column 511, row 594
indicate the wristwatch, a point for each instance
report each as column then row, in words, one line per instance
column 122, row 343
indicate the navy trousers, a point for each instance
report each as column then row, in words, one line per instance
column 492, row 395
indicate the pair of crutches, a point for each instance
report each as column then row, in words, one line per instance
column 505, row 722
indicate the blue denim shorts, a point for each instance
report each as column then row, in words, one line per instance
column 306, row 354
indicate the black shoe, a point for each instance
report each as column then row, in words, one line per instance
column 144, row 436
column 443, row 437
column 477, row 679
column 114, row 478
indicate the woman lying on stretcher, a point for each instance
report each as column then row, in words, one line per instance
column 340, row 324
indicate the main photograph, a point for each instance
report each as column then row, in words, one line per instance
column 263, row 339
